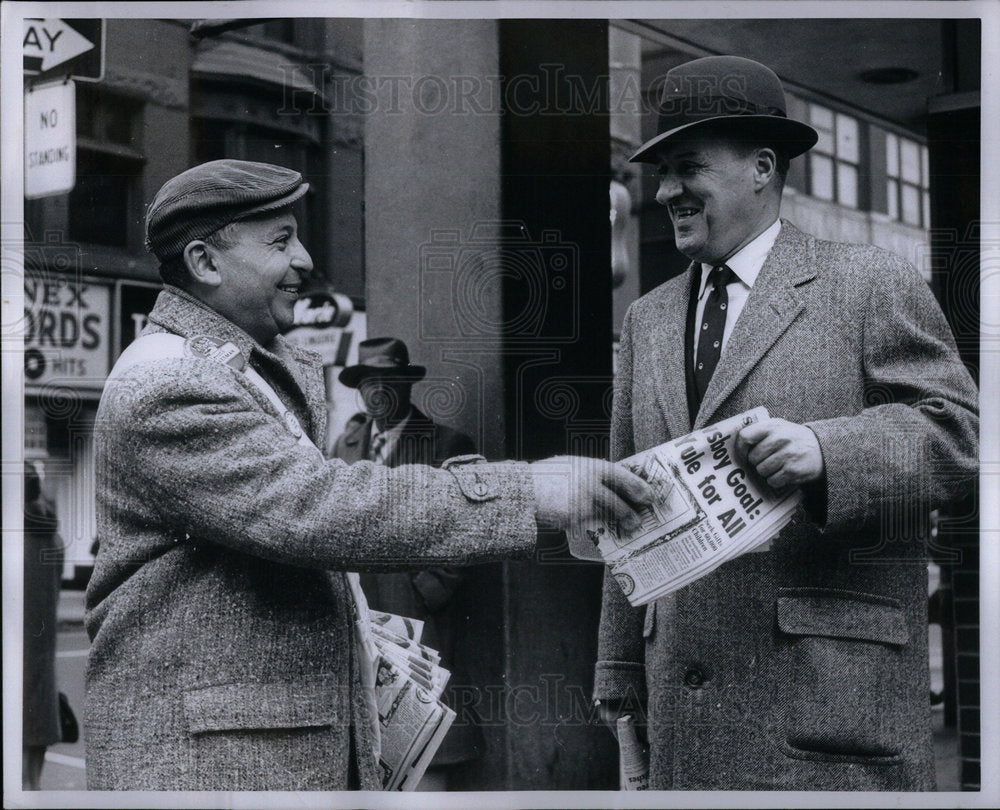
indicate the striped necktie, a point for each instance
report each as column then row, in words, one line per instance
column 378, row 445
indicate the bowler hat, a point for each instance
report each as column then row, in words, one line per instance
column 384, row 356
column 730, row 95
column 199, row 201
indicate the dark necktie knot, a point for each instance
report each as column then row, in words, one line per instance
column 720, row 277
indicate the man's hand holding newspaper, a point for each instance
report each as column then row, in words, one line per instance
column 710, row 505
column 719, row 492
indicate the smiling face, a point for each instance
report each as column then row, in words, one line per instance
column 718, row 196
column 262, row 266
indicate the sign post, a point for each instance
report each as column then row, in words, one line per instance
column 50, row 139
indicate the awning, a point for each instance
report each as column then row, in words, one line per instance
column 221, row 58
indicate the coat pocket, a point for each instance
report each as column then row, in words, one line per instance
column 844, row 676
column 280, row 705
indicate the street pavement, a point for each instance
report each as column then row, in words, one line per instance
column 65, row 766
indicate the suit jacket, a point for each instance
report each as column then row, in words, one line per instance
column 222, row 653
column 804, row 666
column 426, row 594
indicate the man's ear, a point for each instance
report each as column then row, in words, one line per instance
column 765, row 165
column 200, row 264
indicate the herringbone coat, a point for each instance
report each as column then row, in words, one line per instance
column 222, row 650
column 803, row 666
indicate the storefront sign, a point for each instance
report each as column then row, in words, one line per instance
column 67, row 332
column 322, row 320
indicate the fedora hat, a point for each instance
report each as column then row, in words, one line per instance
column 729, row 95
column 384, row 356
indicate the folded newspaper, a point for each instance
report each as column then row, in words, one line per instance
column 405, row 680
column 707, row 510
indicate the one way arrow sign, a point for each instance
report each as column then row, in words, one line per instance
column 70, row 47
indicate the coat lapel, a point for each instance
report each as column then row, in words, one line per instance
column 774, row 302
column 356, row 441
column 667, row 344
column 302, row 367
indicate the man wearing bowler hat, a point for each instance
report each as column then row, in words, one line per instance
column 220, row 610
column 802, row 665
column 394, row 432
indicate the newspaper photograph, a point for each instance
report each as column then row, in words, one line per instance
column 412, row 723
column 708, row 509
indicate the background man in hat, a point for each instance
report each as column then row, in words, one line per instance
column 802, row 666
column 220, row 616
column 393, row 431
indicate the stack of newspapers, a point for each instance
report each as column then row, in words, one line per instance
column 404, row 681
column 708, row 508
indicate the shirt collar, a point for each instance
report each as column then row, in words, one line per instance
column 748, row 260
column 393, row 432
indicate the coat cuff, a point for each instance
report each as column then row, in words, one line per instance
column 616, row 680
column 435, row 587
column 840, row 503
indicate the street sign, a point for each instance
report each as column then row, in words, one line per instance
column 49, row 139
column 56, row 47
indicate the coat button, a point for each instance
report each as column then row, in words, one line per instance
column 694, row 678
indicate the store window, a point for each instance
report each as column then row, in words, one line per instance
column 109, row 167
column 834, row 161
column 907, row 181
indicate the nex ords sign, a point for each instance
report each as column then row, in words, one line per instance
column 67, row 331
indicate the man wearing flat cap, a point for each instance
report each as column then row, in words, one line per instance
column 803, row 665
column 393, row 431
column 220, row 609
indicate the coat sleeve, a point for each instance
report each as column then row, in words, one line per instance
column 620, row 670
column 219, row 467
column 915, row 444
column 436, row 586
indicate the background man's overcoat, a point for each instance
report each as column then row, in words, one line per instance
column 804, row 666
column 222, row 650
column 426, row 594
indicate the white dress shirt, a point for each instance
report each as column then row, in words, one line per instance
column 391, row 438
column 745, row 264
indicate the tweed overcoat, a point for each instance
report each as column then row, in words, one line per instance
column 803, row 666
column 425, row 594
column 222, row 653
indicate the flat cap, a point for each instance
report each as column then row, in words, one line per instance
column 199, row 201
